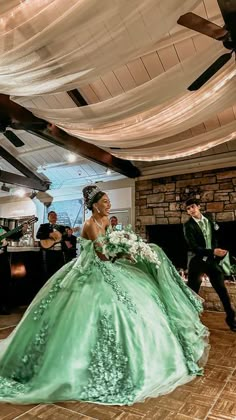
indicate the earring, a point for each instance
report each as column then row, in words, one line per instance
column 97, row 209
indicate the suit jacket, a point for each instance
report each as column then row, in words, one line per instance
column 196, row 241
column 46, row 228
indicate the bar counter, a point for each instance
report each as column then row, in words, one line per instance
column 23, row 249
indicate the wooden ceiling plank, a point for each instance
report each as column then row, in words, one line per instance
column 153, row 64
column 202, row 42
column 212, row 8
column 212, row 123
column 89, row 94
column 100, row 90
column 125, row 78
column 185, row 49
column 198, row 129
column 227, row 116
column 112, row 83
column 168, row 57
column 138, row 72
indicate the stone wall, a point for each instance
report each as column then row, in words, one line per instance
column 211, row 299
column 160, row 201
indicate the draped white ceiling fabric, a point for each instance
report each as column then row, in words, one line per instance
column 142, row 98
column 5, row 6
column 154, row 123
column 49, row 46
column 58, row 45
column 172, row 148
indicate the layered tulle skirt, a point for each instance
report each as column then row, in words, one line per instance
column 110, row 333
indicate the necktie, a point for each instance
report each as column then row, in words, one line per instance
column 204, row 228
column 202, row 225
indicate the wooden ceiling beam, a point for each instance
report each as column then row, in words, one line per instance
column 17, row 164
column 89, row 151
column 11, row 112
column 22, row 181
column 27, row 121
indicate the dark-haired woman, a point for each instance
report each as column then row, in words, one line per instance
column 104, row 332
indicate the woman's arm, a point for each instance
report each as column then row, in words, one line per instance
column 91, row 232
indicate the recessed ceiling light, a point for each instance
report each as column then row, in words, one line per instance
column 20, row 192
column 71, row 157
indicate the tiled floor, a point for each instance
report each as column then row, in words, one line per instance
column 212, row 397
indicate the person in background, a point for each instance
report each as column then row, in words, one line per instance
column 181, row 273
column 200, row 233
column 113, row 222
column 5, row 269
column 69, row 244
column 51, row 241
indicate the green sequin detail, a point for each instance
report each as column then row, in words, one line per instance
column 110, row 380
column 31, row 362
column 195, row 301
column 110, row 278
column 45, row 302
column 11, row 387
column 191, row 364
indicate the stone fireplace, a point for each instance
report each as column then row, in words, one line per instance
column 171, row 239
column 160, row 211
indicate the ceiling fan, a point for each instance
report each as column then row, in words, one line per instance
column 227, row 35
column 11, row 118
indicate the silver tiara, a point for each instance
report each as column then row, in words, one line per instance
column 91, row 195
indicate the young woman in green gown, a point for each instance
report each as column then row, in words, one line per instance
column 108, row 332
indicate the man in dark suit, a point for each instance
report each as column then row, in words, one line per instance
column 204, row 256
column 5, row 269
column 113, row 222
column 53, row 256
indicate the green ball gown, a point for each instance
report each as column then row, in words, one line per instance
column 108, row 333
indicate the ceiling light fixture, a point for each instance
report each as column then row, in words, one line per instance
column 71, row 157
column 20, row 192
column 33, row 194
column 5, row 188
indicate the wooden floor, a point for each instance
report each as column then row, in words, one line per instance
column 212, row 397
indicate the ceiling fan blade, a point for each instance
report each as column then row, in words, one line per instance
column 36, row 125
column 205, row 27
column 208, row 73
column 13, row 138
column 228, row 10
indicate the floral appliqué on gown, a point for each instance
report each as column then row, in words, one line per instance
column 110, row 333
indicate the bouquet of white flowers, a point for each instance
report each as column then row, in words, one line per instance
column 118, row 243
